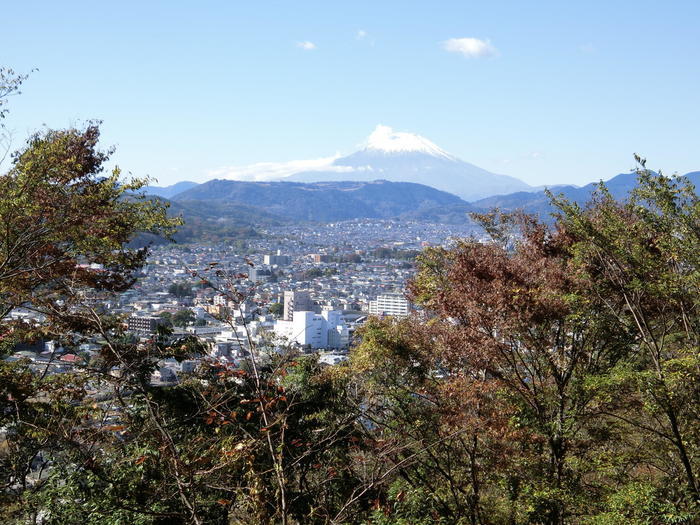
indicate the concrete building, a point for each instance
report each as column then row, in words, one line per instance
column 325, row 330
column 278, row 259
column 296, row 301
column 143, row 324
column 220, row 300
column 393, row 304
column 260, row 274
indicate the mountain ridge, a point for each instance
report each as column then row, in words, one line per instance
column 538, row 203
column 169, row 191
column 325, row 201
column 222, row 209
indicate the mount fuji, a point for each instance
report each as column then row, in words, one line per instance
column 407, row 157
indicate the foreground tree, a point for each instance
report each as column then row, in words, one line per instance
column 566, row 356
column 518, row 322
column 63, row 248
column 10, row 84
column 66, row 227
column 643, row 262
column 440, row 434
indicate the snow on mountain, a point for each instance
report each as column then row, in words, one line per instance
column 407, row 157
column 386, row 140
column 387, row 155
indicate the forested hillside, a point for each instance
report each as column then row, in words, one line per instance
column 320, row 201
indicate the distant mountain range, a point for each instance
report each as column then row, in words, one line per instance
column 537, row 203
column 225, row 209
column 534, row 203
column 393, row 175
column 385, row 155
column 319, row 201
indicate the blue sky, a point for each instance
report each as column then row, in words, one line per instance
column 566, row 92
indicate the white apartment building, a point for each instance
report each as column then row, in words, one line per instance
column 325, row 330
column 393, row 304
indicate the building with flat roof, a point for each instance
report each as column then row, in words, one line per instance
column 324, row 330
column 391, row 304
column 277, row 259
column 143, row 324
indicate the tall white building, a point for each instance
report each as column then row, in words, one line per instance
column 325, row 330
column 393, row 304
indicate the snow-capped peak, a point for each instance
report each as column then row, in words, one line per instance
column 386, row 140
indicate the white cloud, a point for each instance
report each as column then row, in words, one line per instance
column 364, row 36
column 306, row 45
column 470, row 47
column 266, row 171
column 587, row 48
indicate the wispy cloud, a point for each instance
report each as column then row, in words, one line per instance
column 306, row 45
column 470, row 47
column 364, row 36
column 266, row 171
column 587, row 48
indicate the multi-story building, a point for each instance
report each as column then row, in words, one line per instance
column 393, row 304
column 143, row 324
column 296, row 301
column 325, row 330
column 278, row 259
column 260, row 274
column 220, row 300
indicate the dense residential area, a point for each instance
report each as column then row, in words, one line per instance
column 365, row 277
